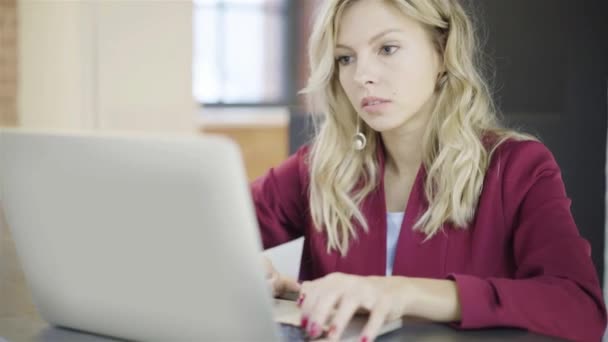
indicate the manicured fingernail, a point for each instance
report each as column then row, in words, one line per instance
column 309, row 328
column 304, row 322
column 301, row 299
column 364, row 339
column 314, row 330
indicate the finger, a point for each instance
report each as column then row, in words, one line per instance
column 290, row 284
column 320, row 314
column 286, row 287
column 301, row 299
column 272, row 284
column 345, row 312
column 307, row 291
column 376, row 319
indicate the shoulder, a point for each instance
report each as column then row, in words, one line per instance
column 518, row 166
column 522, row 156
column 522, row 174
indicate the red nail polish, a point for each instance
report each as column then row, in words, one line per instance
column 331, row 331
column 314, row 330
column 301, row 299
column 304, row 322
column 364, row 339
column 309, row 329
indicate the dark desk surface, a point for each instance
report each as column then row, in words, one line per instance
column 33, row 329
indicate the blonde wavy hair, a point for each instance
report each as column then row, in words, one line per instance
column 455, row 156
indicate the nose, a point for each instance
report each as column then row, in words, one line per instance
column 364, row 74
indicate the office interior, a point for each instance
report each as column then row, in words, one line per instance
column 174, row 67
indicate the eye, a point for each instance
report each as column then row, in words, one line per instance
column 344, row 60
column 388, row 49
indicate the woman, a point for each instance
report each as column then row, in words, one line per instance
column 411, row 197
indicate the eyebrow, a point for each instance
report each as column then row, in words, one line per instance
column 373, row 38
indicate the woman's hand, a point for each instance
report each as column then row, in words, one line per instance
column 334, row 299
column 279, row 284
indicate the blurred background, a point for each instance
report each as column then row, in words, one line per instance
column 234, row 67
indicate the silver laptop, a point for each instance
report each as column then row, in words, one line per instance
column 137, row 237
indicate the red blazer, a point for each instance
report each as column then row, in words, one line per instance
column 521, row 262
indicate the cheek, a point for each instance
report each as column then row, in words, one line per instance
column 415, row 84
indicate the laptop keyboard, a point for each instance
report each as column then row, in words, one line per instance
column 290, row 333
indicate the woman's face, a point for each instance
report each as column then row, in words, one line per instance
column 387, row 64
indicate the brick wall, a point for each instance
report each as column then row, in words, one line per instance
column 8, row 62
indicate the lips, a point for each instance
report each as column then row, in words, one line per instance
column 372, row 101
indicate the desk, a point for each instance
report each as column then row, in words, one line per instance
column 36, row 330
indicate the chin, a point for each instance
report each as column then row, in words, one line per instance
column 381, row 123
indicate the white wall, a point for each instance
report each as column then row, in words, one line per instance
column 52, row 90
column 114, row 65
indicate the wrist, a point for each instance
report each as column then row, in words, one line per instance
column 433, row 299
column 407, row 293
column 402, row 292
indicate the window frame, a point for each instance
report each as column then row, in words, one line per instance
column 289, row 69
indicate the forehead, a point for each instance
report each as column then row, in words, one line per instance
column 362, row 19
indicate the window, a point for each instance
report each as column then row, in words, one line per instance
column 241, row 52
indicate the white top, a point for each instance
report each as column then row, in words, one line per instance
column 393, row 227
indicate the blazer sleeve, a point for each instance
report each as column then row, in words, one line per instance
column 280, row 200
column 555, row 290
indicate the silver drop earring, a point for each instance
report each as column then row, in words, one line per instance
column 359, row 140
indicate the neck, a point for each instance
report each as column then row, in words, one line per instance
column 403, row 151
